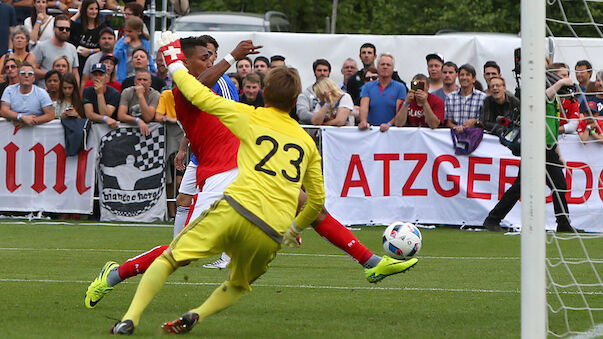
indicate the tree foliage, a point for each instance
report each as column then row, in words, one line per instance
column 410, row 17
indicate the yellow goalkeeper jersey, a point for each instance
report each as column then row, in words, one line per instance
column 275, row 157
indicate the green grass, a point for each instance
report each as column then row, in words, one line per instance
column 466, row 285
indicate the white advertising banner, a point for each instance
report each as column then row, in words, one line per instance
column 37, row 175
column 131, row 176
column 412, row 174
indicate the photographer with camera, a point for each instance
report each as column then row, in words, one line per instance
column 555, row 179
column 421, row 108
column 500, row 109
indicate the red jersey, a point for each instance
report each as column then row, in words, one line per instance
column 211, row 142
column 416, row 115
column 114, row 84
column 571, row 110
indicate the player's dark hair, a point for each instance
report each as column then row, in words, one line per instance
column 468, row 68
column 323, row 62
column 190, row 44
column 492, row 63
column 282, row 87
column 369, row 45
column 451, row 64
column 210, row 40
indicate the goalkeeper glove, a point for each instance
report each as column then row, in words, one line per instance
column 292, row 238
column 171, row 50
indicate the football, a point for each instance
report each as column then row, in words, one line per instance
column 402, row 240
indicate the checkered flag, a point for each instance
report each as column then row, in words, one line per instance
column 150, row 150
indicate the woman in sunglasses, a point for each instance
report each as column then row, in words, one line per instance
column 20, row 39
column 10, row 73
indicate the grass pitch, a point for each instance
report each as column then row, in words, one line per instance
column 466, row 285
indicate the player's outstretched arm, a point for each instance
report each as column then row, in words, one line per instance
column 210, row 76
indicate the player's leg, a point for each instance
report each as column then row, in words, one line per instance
column 504, row 206
column 199, row 239
column 556, row 182
column 376, row 268
column 188, row 188
column 252, row 251
column 112, row 274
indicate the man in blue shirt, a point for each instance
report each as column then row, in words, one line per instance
column 379, row 100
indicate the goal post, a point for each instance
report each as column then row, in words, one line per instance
column 533, row 242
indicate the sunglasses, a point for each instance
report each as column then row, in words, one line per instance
column 371, row 77
column 64, row 29
column 10, row 66
column 29, row 73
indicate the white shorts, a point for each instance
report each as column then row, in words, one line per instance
column 212, row 190
column 189, row 180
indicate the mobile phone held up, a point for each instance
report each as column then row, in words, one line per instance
column 415, row 85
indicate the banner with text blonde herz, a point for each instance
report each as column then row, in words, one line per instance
column 412, row 174
column 37, row 175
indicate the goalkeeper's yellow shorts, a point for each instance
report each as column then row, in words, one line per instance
column 222, row 229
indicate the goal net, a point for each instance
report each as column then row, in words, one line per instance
column 574, row 260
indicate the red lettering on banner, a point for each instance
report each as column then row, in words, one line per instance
column 472, row 177
column 569, row 172
column 386, row 158
column 11, row 166
column 601, row 185
column 40, row 156
column 503, row 179
column 455, row 179
column 421, row 159
column 355, row 163
column 82, row 163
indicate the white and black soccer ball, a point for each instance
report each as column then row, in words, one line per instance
column 402, row 240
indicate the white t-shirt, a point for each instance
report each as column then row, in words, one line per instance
column 46, row 28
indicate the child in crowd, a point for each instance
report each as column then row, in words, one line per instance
column 69, row 103
column 133, row 38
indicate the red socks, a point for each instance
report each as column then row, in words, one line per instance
column 340, row 236
column 139, row 263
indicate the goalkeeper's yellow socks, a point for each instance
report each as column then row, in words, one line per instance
column 150, row 284
column 222, row 297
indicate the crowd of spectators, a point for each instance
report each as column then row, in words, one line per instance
column 61, row 66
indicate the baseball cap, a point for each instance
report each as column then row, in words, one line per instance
column 434, row 55
column 109, row 56
column 99, row 67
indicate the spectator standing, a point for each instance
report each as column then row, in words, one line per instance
column 463, row 107
column 594, row 103
column 10, row 73
column 48, row 51
column 106, row 44
column 591, row 127
column 491, row 69
column 421, row 108
column 53, row 85
column 131, row 9
column 449, row 74
column 252, row 90
column 498, row 104
column 19, row 39
column 368, row 54
column 110, row 62
column 101, row 100
column 70, row 102
column 85, row 34
column 261, row 65
column 61, row 64
column 138, row 103
column 584, row 71
column 243, row 67
column 162, row 71
column 39, row 24
column 8, row 21
column 335, row 105
column 570, row 106
column 127, row 45
column 22, row 9
column 277, row 60
column 140, row 61
column 307, row 102
column 435, row 61
column 379, row 99
column 348, row 69
column 25, row 103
